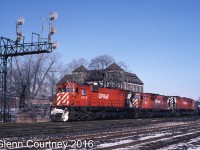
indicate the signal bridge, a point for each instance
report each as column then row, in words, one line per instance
column 9, row 49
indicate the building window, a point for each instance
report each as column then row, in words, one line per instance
column 139, row 89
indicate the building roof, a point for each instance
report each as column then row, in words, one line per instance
column 81, row 69
column 133, row 78
column 114, row 66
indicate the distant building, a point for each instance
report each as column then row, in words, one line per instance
column 112, row 77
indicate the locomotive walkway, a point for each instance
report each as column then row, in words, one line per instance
column 152, row 133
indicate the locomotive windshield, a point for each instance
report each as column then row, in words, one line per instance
column 137, row 96
column 66, row 88
column 63, row 89
column 69, row 89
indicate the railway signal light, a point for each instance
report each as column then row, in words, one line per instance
column 52, row 30
column 20, row 22
column 53, row 15
column 55, row 45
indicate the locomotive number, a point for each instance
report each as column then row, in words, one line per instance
column 103, row 96
column 83, row 97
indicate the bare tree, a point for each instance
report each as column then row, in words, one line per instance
column 101, row 62
column 123, row 65
column 53, row 77
column 75, row 63
column 30, row 77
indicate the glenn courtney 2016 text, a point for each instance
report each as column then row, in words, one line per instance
column 47, row 144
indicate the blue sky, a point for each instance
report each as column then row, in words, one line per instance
column 158, row 39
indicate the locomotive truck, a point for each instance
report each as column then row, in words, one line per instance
column 89, row 102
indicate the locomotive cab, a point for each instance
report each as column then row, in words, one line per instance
column 65, row 93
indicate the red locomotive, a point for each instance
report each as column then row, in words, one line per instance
column 89, row 102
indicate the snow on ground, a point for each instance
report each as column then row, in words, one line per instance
column 193, row 144
column 154, row 136
column 104, row 145
column 129, row 140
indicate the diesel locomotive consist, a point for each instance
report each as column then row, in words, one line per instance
column 89, row 102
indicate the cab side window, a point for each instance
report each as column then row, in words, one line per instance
column 83, row 92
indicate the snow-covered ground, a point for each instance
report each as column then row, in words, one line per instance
column 191, row 145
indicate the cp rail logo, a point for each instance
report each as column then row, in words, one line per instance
column 103, row 96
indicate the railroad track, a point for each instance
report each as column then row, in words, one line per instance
column 151, row 138
column 28, row 129
column 110, row 134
